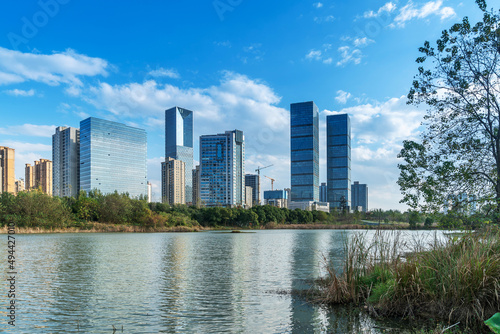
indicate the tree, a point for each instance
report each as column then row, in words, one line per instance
column 459, row 151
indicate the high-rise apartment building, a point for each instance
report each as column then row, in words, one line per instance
column 7, row 170
column 359, row 196
column 66, row 161
column 304, row 144
column 322, row 192
column 222, row 165
column 112, row 157
column 196, row 186
column 252, row 180
column 39, row 176
column 173, row 181
column 29, row 177
column 248, row 197
column 179, row 142
column 338, row 141
column 150, row 192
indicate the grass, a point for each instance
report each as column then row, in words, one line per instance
column 456, row 280
column 101, row 227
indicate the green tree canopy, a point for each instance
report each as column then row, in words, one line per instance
column 459, row 151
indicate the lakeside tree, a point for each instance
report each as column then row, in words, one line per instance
column 459, row 151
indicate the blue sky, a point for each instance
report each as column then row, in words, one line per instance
column 235, row 63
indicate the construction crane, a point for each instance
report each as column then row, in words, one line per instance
column 259, row 168
column 272, row 181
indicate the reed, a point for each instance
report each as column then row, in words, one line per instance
column 455, row 280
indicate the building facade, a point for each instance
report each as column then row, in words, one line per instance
column 253, row 180
column 66, row 161
column 196, row 186
column 19, row 186
column 248, row 197
column 359, row 196
column 39, row 176
column 29, row 177
column 179, row 142
column 304, row 144
column 173, row 181
column 278, row 198
column 222, row 167
column 322, row 192
column 7, row 170
column 112, row 157
column 338, row 141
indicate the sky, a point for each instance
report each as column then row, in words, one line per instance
column 238, row 64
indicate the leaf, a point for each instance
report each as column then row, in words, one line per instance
column 494, row 323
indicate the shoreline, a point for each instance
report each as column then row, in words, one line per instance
column 113, row 228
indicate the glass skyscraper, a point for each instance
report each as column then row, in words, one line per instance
column 304, row 144
column 112, row 157
column 179, row 142
column 66, row 162
column 359, row 193
column 338, row 142
column 222, row 166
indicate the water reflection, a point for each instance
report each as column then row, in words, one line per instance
column 208, row 282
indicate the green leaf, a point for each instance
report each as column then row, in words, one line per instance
column 494, row 323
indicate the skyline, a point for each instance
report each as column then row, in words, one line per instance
column 225, row 66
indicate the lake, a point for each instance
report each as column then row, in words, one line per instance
column 205, row 282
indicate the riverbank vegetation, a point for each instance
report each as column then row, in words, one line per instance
column 35, row 211
column 452, row 280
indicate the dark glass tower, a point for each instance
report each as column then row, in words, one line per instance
column 338, row 142
column 304, row 144
column 359, row 196
column 179, row 142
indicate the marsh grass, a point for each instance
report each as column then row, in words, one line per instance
column 455, row 279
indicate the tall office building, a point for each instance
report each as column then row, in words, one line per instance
column 112, row 157
column 39, row 176
column 304, row 144
column 66, row 161
column 150, row 192
column 252, row 180
column 222, row 164
column 359, row 196
column 7, row 170
column 179, row 142
column 196, row 186
column 322, row 192
column 338, row 142
column 173, row 181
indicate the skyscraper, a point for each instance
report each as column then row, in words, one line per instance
column 304, row 144
column 179, row 142
column 66, row 161
column 196, row 185
column 7, row 174
column 29, row 177
column 112, row 157
column 43, row 176
column 222, row 164
column 322, row 192
column 338, row 141
column 252, row 180
column 359, row 193
column 173, row 185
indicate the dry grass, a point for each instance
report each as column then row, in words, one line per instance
column 101, row 227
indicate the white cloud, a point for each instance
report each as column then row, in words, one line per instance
column 29, row 130
column 318, row 4
column 314, row 54
column 164, row 72
column 24, row 147
column 360, row 42
column 342, row 96
column 20, row 92
column 410, row 11
column 64, row 67
column 387, row 8
column 349, row 55
column 327, row 60
column 329, row 18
